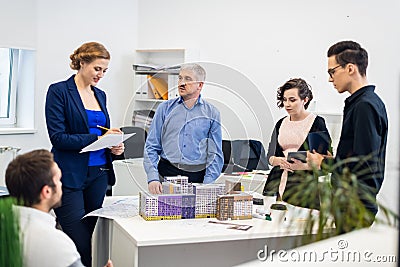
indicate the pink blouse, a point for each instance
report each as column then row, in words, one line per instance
column 292, row 134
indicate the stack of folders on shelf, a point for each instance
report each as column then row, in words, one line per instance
column 151, row 67
column 146, row 67
column 142, row 118
column 158, row 86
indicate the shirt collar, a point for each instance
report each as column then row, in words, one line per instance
column 359, row 92
column 199, row 100
column 27, row 212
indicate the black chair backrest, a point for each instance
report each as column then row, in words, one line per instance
column 243, row 155
column 134, row 146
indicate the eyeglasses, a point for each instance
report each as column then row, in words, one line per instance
column 332, row 70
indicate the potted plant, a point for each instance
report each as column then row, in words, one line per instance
column 10, row 240
column 341, row 208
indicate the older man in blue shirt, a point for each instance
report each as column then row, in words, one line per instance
column 185, row 136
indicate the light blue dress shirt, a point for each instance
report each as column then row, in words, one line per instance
column 186, row 136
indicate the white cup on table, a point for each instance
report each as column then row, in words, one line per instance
column 268, row 199
column 278, row 214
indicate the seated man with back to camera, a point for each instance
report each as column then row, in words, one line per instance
column 34, row 180
column 185, row 137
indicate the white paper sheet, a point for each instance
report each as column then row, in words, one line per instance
column 124, row 208
column 108, row 140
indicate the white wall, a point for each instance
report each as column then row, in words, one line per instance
column 55, row 29
column 19, row 23
column 267, row 42
column 18, row 20
column 270, row 42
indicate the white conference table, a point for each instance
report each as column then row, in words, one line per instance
column 187, row 242
column 374, row 246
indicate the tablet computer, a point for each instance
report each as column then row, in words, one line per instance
column 299, row 155
column 319, row 141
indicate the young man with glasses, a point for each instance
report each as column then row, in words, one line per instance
column 364, row 128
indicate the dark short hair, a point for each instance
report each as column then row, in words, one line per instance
column 350, row 52
column 27, row 174
column 304, row 91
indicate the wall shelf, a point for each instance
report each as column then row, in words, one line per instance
column 155, row 80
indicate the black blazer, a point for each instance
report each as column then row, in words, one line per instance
column 274, row 149
column 68, row 130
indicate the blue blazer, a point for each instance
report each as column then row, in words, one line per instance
column 68, row 130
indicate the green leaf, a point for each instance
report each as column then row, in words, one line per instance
column 10, row 243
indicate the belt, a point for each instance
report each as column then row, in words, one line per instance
column 185, row 167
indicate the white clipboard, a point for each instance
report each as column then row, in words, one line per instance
column 108, row 140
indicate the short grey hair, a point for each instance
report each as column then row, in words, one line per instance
column 197, row 69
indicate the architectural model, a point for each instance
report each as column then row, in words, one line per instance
column 235, row 206
column 183, row 200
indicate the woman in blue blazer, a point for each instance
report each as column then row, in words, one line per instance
column 74, row 108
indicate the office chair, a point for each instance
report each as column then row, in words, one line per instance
column 243, row 155
column 134, row 146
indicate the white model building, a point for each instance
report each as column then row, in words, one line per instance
column 183, row 200
column 177, row 185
